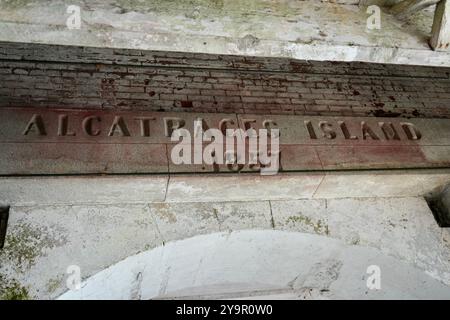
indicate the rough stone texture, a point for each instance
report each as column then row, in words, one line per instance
column 52, row 76
column 330, row 185
column 446, row 203
column 247, row 265
column 44, row 239
column 22, row 191
column 439, row 202
column 88, row 159
column 381, row 183
column 185, row 220
column 95, row 224
column 46, row 146
column 30, row 191
column 368, row 222
column 394, row 183
column 309, row 29
column 440, row 39
column 242, row 187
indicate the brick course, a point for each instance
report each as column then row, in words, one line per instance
column 33, row 75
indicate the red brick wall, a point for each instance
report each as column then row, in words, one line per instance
column 74, row 77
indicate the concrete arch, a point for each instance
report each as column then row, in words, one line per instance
column 262, row 264
column 96, row 236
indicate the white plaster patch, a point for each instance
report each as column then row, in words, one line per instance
column 255, row 263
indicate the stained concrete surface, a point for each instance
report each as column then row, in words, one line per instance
column 44, row 239
column 123, row 148
column 310, row 30
column 312, row 235
column 141, row 189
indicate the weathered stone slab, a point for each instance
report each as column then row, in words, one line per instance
column 57, row 141
column 391, row 183
column 388, row 157
column 285, row 186
column 358, row 131
column 74, row 190
column 94, row 237
column 295, row 157
column 242, row 187
column 42, row 242
column 83, row 190
column 379, row 223
column 184, row 220
column 68, row 158
column 101, row 126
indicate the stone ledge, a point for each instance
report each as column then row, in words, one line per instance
column 60, row 191
column 324, row 32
